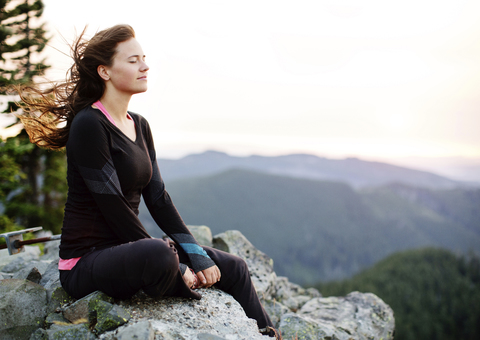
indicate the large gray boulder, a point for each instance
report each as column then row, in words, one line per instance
column 202, row 234
column 216, row 316
column 56, row 295
column 358, row 316
column 259, row 264
column 51, row 250
column 22, row 308
column 292, row 295
column 30, row 253
column 141, row 330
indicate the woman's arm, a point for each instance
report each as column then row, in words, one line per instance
column 166, row 216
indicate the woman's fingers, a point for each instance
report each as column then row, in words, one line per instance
column 208, row 277
column 202, row 278
column 189, row 278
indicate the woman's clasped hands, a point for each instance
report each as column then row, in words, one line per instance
column 202, row 279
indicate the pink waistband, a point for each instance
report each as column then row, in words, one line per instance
column 67, row 264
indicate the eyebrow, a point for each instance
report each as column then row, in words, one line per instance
column 136, row 56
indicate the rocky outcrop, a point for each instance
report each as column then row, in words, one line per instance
column 22, row 308
column 356, row 316
column 33, row 305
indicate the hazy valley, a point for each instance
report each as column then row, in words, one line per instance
column 321, row 219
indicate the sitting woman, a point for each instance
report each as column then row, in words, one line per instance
column 111, row 165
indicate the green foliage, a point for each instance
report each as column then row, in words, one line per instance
column 32, row 180
column 434, row 294
column 39, row 193
column 10, row 177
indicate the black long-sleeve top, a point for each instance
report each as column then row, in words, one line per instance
column 107, row 174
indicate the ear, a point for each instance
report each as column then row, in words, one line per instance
column 103, row 72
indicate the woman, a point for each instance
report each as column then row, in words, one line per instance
column 111, row 164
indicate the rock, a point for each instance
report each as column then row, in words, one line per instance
column 293, row 295
column 39, row 334
column 56, row 295
column 296, row 311
column 50, row 250
column 50, row 275
column 216, row 314
column 206, row 336
column 85, row 308
column 202, row 234
column 14, row 263
column 5, row 276
column 259, row 264
column 108, row 316
column 22, row 308
column 275, row 310
column 55, row 318
column 57, row 298
column 358, row 316
column 294, row 326
column 142, row 330
column 28, row 273
column 79, row 331
column 98, row 310
column 27, row 266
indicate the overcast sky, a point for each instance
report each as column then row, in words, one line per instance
column 364, row 78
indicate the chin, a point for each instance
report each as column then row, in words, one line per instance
column 141, row 90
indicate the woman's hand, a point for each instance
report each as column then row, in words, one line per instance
column 190, row 279
column 209, row 276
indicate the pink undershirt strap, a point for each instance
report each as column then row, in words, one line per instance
column 102, row 108
column 70, row 263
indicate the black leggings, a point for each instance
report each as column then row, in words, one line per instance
column 153, row 266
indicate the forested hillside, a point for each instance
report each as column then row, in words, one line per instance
column 317, row 230
column 434, row 294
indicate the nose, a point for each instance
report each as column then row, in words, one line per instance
column 145, row 67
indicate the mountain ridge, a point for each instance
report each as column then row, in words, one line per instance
column 356, row 172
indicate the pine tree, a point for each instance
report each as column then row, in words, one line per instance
column 22, row 39
column 41, row 174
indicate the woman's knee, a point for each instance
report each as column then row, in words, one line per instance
column 229, row 264
column 158, row 253
column 241, row 266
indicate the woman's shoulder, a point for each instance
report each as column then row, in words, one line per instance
column 87, row 120
column 87, row 115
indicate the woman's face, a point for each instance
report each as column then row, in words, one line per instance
column 128, row 72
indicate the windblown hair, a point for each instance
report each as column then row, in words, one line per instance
column 48, row 114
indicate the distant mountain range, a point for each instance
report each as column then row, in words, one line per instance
column 318, row 229
column 353, row 171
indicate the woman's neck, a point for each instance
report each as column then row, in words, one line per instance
column 117, row 106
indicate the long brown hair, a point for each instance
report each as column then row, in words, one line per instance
column 48, row 114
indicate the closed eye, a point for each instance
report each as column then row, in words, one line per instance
column 135, row 58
